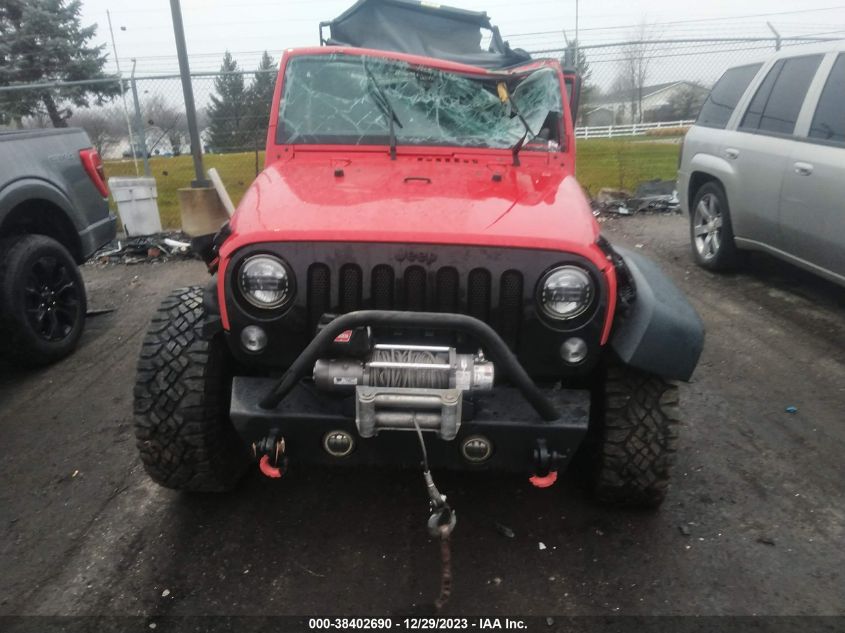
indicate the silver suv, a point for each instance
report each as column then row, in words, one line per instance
column 763, row 168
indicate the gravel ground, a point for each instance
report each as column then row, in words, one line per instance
column 754, row 522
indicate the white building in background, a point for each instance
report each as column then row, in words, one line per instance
column 662, row 102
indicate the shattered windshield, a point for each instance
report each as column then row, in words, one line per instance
column 345, row 99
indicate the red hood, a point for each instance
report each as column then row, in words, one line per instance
column 446, row 199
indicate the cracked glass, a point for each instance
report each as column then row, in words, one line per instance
column 347, row 99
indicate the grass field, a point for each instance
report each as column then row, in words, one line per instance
column 175, row 172
column 625, row 162
column 616, row 163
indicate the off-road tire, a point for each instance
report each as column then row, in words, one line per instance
column 182, row 394
column 728, row 257
column 639, row 430
column 28, row 263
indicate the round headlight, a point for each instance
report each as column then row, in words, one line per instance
column 566, row 292
column 264, row 281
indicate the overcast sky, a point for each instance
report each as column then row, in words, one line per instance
column 247, row 27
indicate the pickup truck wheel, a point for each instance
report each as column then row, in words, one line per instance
column 182, row 392
column 42, row 300
column 635, row 450
column 711, row 231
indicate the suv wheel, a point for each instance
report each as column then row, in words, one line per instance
column 182, row 392
column 42, row 300
column 711, row 231
column 632, row 456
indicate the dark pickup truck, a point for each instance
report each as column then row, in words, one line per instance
column 53, row 215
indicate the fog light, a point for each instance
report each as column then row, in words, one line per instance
column 253, row 338
column 338, row 443
column 573, row 351
column 476, row 449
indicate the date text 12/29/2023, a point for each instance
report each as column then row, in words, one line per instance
column 416, row 624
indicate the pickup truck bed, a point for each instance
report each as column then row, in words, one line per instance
column 53, row 215
column 42, row 172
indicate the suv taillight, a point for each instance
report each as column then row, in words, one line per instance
column 93, row 165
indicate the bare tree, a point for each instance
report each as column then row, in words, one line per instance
column 637, row 54
column 166, row 123
column 106, row 127
column 686, row 102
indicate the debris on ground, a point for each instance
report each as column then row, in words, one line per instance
column 160, row 247
column 653, row 196
column 766, row 540
column 504, row 530
column 657, row 196
column 95, row 312
column 541, row 546
column 792, row 409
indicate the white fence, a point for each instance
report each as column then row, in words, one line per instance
column 633, row 129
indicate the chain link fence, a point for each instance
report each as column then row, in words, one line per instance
column 637, row 99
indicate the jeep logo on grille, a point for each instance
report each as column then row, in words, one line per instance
column 418, row 257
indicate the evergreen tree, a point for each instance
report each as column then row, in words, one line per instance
column 261, row 98
column 229, row 110
column 575, row 57
column 44, row 41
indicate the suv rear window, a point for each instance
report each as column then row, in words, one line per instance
column 779, row 98
column 724, row 96
column 829, row 121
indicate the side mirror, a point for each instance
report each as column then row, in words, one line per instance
column 573, row 89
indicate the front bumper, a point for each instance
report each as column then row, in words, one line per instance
column 521, row 440
column 530, row 428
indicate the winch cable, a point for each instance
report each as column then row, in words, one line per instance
column 440, row 524
column 409, row 377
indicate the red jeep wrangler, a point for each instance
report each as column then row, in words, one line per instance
column 418, row 256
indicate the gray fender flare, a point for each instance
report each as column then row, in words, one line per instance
column 661, row 333
column 33, row 188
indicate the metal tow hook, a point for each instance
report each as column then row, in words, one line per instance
column 272, row 462
column 442, row 518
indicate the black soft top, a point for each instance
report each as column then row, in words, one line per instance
column 422, row 28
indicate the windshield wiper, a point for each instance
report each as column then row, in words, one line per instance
column 518, row 145
column 383, row 103
column 506, row 97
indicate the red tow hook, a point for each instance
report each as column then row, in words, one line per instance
column 272, row 445
column 546, row 481
column 267, row 470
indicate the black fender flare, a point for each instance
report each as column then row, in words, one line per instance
column 212, row 323
column 661, row 332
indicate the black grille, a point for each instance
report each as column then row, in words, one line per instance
column 351, row 288
column 417, row 288
column 447, row 290
column 478, row 294
column 510, row 306
column 415, row 291
column 319, row 293
column 383, row 286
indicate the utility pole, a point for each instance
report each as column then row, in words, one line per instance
column 777, row 35
column 123, row 97
column 577, row 41
column 139, row 122
column 188, row 91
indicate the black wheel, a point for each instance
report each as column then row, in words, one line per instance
column 711, row 231
column 42, row 300
column 634, row 448
column 182, row 392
